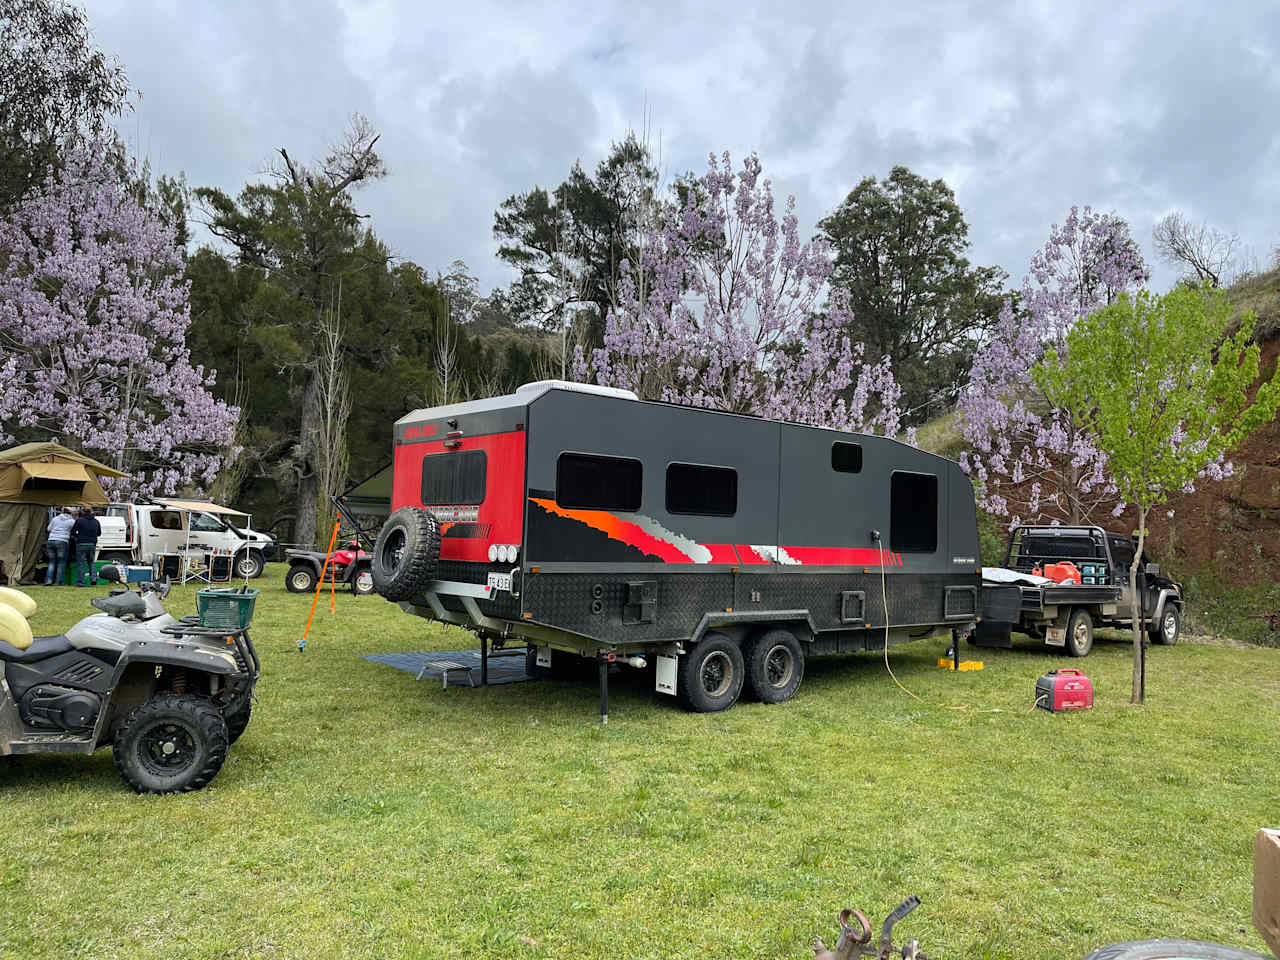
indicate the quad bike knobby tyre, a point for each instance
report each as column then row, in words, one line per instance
column 300, row 579
column 362, row 582
column 237, row 720
column 406, row 553
column 172, row 743
column 1172, row 950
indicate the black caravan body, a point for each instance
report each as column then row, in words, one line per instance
column 582, row 519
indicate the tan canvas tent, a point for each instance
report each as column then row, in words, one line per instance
column 34, row 477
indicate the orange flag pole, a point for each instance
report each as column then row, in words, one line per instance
column 302, row 644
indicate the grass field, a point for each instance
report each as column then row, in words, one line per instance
column 364, row 814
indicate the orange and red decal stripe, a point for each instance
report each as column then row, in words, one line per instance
column 681, row 549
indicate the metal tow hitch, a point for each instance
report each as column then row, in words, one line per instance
column 856, row 942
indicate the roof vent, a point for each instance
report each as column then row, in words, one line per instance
column 542, row 386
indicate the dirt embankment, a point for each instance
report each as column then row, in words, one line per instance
column 1232, row 526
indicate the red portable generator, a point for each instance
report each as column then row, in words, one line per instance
column 1064, row 690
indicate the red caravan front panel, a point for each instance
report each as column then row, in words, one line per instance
column 500, row 515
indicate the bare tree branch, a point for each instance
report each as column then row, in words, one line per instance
column 1204, row 252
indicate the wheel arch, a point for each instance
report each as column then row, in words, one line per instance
column 740, row 624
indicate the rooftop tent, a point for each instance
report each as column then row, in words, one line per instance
column 34, row 477
column 50, row 475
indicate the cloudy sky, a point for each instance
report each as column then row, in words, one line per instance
column 1024, row 108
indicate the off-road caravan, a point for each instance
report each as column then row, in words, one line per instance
column 717, row 549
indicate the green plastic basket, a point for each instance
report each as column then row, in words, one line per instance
column 225, row 609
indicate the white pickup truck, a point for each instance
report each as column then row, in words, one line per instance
column 136, row 532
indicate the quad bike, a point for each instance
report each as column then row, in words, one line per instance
column 169, row 696
column 351, row 566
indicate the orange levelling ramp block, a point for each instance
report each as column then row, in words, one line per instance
column 946, row 664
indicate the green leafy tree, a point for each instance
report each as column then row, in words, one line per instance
column 302, row 232
column 899, row 247
column 569, row 243
column 1165, row 387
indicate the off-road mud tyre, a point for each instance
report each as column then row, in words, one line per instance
column 1168, row 949
column 301, row 578
column 172, row 743
column 249, row 565
column 1169, row 628
column 237, row 720
column 406, row 553
column 775, row 665
column 709, row 677
column 1079, row 633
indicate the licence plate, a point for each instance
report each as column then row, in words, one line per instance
column 500, row 581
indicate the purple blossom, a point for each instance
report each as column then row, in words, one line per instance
column 1012, row 431
column 727, row 308
column 93, row 321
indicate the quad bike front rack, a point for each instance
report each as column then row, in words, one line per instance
column 856, row 942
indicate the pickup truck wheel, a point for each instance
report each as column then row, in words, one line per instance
column 1079, row 633
column 301, row 579
column 710, row 676
column 406, row 553
column 1170, row 626
column 249, row 564
column 775, row 666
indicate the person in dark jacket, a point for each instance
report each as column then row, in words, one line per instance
column 85, row 533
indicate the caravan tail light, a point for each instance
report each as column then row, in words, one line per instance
column 503, row 553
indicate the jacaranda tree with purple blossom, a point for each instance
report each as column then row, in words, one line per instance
column 727, row 308
column 1031, row 458
column 93, row 321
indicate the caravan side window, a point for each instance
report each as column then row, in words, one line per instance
column 590, row 482
column 846, row 457
column 702, row 491
column 913, row 512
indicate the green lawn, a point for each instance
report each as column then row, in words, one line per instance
column 364, row 814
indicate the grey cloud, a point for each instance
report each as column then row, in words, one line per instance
column 1025, row 110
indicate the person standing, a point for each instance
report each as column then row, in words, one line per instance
column 57, row 545
column 86, row 532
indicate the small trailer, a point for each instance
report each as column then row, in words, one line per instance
column 1064, row 614
column 718, row 551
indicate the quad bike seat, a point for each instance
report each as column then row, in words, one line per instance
column 41, row 648
column 121, row 603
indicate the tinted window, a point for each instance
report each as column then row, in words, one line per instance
column 166, row 520
column 707, row 491
column 202, row 521
column 913, row 513
column 598, row 483
column 450, row 479
column 846, row 457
